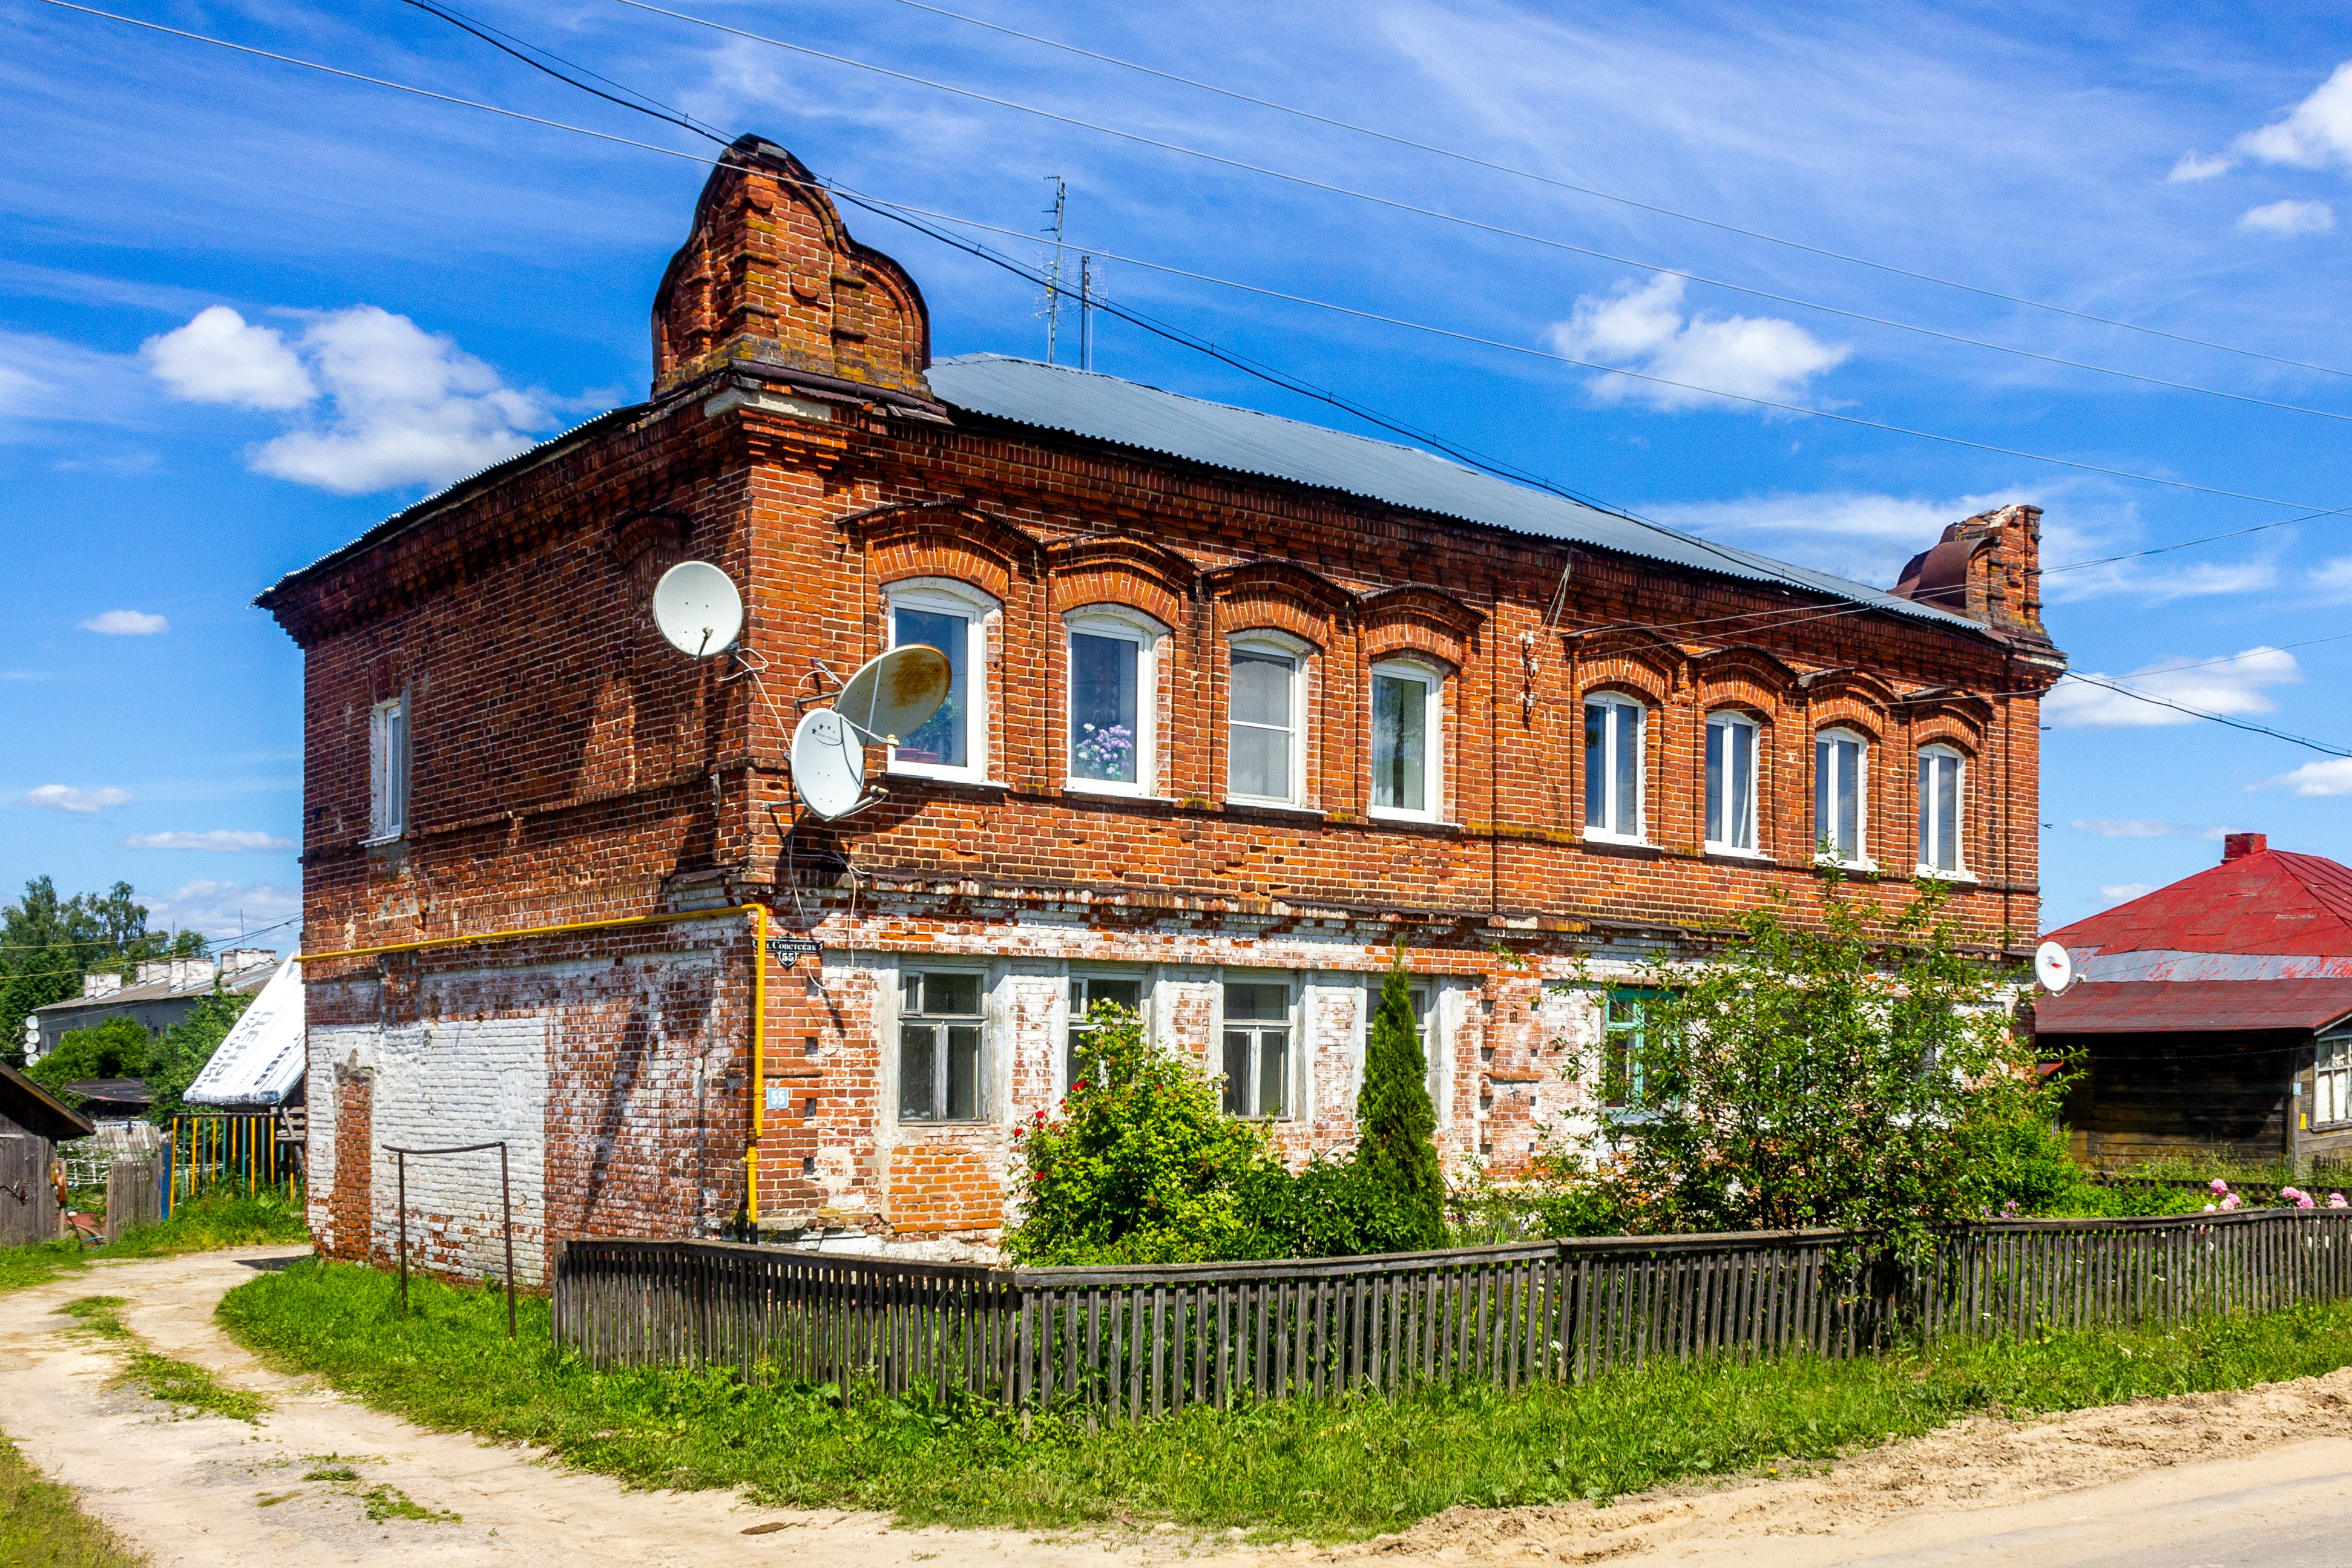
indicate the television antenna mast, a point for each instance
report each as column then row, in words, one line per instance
column 1059, row 211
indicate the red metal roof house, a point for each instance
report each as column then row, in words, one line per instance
column 2214, row 1015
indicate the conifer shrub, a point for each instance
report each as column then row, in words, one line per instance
column 1396, row 1158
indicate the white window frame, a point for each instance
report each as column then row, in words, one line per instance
column 947, row 596
column 2331, row 1082
column 1429, row 1021
column 1295, row 995
column 982, row 1070
column 1958, row 870
column 391, row 744
column 1431, row 682
column 1861, row 860
column 1280, row 646
column 1073, row 1017
column 1126, row 625
column 1641, row 833
column 1731, row 718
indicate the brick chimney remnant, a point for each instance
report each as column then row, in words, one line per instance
column 2238, row 846
column 1988, row 568
column 769, row 273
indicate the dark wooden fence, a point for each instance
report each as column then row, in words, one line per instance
column 1128, row 1342
column 134, row 1195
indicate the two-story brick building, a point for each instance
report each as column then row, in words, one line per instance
column 1241, row 707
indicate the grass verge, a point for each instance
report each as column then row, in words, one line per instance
column 198, row 1225
column 41, row 1528
column 1348, row 1469
column 179, row 1384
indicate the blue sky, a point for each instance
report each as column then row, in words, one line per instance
column 246, row 310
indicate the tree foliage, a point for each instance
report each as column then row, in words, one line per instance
column 116, row 1048
column 1864, row 1074
column 180, row 1053
column 1397, row 1155
column 47, row 944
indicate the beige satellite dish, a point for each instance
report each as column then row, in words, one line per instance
column 828, row 764
column 698, row 609
column 890, row 697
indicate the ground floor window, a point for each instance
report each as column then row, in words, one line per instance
column 2335, row 1077
column 1084, row 992
column 940, row 1035
column 1257, row 1049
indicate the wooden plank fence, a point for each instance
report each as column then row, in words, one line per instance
column 134, row 1195
column 1123, row 1344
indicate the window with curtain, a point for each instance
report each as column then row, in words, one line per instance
column 1942, row 772
column 1407, row 732
column 1257, row 1049
column 1613, row 768
column 1841, row 802
column 1262, row 730
column 951, row 617
column 2332, row 1078
column 1731, row 783
column 1111, row 684
column 940, row 1035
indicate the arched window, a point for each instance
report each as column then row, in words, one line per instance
column 1943, row 781
column 1267, row 726
column 1613, row 768
column 1731, row 783
column 940, row 612
column 1114, row 663
column 1408, row 741
column 1841, row 797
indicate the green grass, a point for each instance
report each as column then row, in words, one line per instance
column 182, row 1385
column 1341, row 1469
column 199, row 1225
column 41, row 1528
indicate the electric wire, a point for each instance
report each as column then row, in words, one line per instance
column 1498, row 229
column 1620, row 200
column 465, row 24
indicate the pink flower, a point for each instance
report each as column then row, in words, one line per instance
column 2302, row 1200
column 2290, row 1192
column 2220, row 1186
column 2208, row 1209
column 2335, row 1200
column 2229, row 1201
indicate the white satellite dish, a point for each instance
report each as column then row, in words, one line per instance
column 890, row 697
column 828, row 764
column 2053, row 966
column 698, row 609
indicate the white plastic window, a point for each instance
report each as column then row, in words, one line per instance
column 942, row 1038
column 1113, row 676
column 1257, row 1049
column 1841, row 796
column 1943, row 774
column 1407, row 742
column 388, row 770
column 1612, row 768
column 1731, row 784
column 1266, row 741
column 953, row 617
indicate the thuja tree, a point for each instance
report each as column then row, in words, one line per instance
column 1397, row 1125
column 1861, row 1073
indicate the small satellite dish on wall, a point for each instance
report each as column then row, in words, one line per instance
column 891, row 697
column 2053, row 966
column 698, row 609
column 828, row 765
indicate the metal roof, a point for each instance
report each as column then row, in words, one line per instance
column 2202, row 1007
column 2236, row 921
column 1243, row 441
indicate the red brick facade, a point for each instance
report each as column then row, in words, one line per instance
column 569, row 766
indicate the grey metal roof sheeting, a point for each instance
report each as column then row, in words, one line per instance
column 1104, row 408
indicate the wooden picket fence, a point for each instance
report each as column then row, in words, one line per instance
column 1128, row 1343
column 134, row 1195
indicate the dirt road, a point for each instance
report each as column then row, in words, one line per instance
column 2206, row 1481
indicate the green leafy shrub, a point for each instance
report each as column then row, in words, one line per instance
column 114, row 1049
column 1330, row 1208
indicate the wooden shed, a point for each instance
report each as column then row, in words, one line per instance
column 2214, row 1016
column 33, row 1123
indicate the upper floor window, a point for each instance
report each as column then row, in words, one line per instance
column 388, row 769
column 1612, row 768
column 1942, row 772
column 940, row 1036
column 1086, row 990
column 1731, row 784
column 953, row 617
column 1111, row 684
column 1257, row 1049
column 1265, row 730
column 1407, row 731
column 1841, row 796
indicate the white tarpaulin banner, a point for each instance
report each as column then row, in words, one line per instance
column 262, row 1060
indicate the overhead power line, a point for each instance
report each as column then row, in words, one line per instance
column 2320, row 746
column 1499, row 230
column 1634, row 202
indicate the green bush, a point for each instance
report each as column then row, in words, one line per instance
column 1330, row 1208
column 114, row 1049
column 1395, row 1163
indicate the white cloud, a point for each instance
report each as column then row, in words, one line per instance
column 65, row 798
column 225, row 909
column 1644, row 328
column 1856, row 534
column 2232, row 686
column 223, row 840
column 2130, row 828
column 126, row 623
column 2116, row 892
column 2317, row 132
column 407, row 406
column 2288, row 219
column 219, row 357
column 2334, row 577
column 2196, row 166
column 2330, row 777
